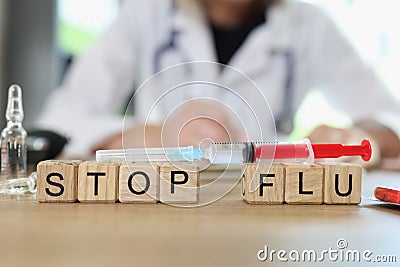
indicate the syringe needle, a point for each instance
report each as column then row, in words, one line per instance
column 19, row 186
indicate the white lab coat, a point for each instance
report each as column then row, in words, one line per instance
column 88, row 105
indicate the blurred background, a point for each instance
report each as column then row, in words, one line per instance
column 40, row 39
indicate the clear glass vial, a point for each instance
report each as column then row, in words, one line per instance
column 13, row 138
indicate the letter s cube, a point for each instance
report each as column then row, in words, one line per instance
column 57, row 181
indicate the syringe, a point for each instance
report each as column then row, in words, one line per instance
column 241, row 152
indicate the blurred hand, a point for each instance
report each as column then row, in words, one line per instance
column 139, row 135
column 347, row 136
column 197, row 120
column 191, row 123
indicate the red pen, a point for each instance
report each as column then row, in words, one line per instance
column 388, row 195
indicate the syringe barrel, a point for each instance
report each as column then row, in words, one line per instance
column 220, row 153
column 255, row 152
column 299, row 151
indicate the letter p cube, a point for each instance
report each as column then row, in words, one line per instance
column 179, row 183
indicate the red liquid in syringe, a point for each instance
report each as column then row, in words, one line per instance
column 307, row 152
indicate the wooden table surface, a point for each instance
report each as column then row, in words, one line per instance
column 226, row 233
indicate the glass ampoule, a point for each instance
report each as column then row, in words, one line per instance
column 13, row 138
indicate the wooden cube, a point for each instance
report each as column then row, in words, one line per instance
column 263, row 184
column 304, row 184
column 179, row 184
column 57, row 181
column 342, row 184
column 139, row 183
column 98, row 182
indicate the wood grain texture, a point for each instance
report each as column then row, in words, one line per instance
column 98, row 182
column 342, row 184
column 228, row 232
column 263, row 184
column 139, row 183
column 304, row 184
column 179, row 183
column 57, row 181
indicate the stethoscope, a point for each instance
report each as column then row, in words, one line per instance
column 284, row 120
column 169, row 45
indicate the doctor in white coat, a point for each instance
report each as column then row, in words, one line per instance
column 286, row 47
